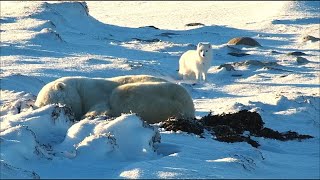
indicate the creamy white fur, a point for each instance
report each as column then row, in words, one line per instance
column 196, row 63
column 154, row 99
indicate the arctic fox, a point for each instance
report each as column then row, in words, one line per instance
column 196, row 62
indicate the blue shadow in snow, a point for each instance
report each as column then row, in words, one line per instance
column 303, row 21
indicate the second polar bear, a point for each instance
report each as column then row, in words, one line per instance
column 196, row 63
column 153, row 101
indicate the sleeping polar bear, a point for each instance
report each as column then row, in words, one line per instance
column 153, row 99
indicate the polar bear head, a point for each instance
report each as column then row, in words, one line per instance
column 60, row 92
column 204, row 49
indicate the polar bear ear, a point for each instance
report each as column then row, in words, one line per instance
column 210, row 46
column 60, row 86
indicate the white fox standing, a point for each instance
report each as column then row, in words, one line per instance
column 196, row 63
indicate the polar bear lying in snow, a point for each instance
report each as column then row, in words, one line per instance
column 153, row 99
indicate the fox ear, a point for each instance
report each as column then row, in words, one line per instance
column 199, row 44
column 210, row 46
column 60, row 86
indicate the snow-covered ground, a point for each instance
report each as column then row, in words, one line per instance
column 42, row 41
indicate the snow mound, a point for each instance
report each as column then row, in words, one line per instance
column 126, row 137
column 62, row 13
column 18, row 144
column 49, row 123
column 71, row 22
column 101, row 144
column 11, row 172
column 19, row 82
column 47, row 35
column 43, row 25
column 70, row 18
column 24, row 103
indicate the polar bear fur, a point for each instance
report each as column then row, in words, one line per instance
column 153, row 101
column 196, row 63
column 152, row 98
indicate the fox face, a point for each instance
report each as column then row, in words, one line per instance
column 204, row 50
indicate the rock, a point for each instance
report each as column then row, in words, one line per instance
column 243, row 41
column 302, row 60
column 310, row 38
column 276, row 69
column 228, row 67
column 167, row 34
column 194, row 24
column 152, row 27
column 147, row 40
column 255, row 63
column 238, row 54
column 296, row 53
column 275, row 52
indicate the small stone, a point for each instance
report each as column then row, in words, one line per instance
column 228, row 67
column 167, row 34
column 255, row 63
column 194, row 24
column 297, row 53
column 302, row 60
column 310, row 38
column 275, row 52
column 238, row 54
column 147, row 40
column 152, row 27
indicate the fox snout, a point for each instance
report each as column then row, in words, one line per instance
column 202, row 54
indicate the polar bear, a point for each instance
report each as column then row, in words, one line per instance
column 120, row 80
column 152, row 101
column 112, row 96
column 196, row 63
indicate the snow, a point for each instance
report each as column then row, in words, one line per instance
column 43, row 41
column 87, row 136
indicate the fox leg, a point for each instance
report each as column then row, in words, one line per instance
column 198, row 76
column 204, row 76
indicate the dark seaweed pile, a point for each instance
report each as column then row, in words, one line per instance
column 190, row 126
column 233, row 127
